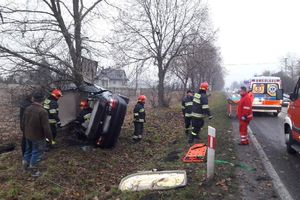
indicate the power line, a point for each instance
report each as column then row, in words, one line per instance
column 233, row 64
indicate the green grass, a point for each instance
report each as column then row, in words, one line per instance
column 198, row 187
column 70, row 173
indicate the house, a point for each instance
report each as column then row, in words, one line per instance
column 112, row 78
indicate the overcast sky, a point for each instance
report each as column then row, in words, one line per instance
column 254, row 35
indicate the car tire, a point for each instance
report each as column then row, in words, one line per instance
column 289, row 143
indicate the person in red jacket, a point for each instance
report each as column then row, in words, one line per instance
column 244, row 114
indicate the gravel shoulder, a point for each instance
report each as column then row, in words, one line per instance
column 254, row 181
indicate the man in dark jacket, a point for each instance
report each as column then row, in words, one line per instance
column 51, row 105
column 186, row 104
column 25, row 102
column 36, row 128
column 200, row 109
column 139, row 118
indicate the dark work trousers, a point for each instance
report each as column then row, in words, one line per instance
column 138, row 128
column 187, row 121
column 53, row 130
column 197, row 124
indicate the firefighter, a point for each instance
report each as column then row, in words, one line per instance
column 139, row 118
column 51, row 105
column 85, row 114
column 200, row 109
column 83, row 119
column 244, row 114
column 187, row 103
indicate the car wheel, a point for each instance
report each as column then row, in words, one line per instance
column 289, row 143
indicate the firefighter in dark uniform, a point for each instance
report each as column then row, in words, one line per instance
column 187, row 103
column 83, row 119
column 200, row 109
column 51, row 105
column 139, row 117
column 85, row 114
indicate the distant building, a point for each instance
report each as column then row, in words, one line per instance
column 112, row 78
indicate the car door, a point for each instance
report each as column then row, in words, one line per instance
column 294, row 110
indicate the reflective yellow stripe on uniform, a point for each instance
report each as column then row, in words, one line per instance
column 196, row 100
column 188, row 103
column 193, row 133
column 136, row 114
column 46, row 106
column 140, row 120
column 197, row 115
column 142, row 110
column 53, row 111
column 188, row 115
column 87, row 116
column 197, row 95
column 205, row 106
column 47, row 101
column 52, row 121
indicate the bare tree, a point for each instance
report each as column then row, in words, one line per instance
column 159, row 30
column 200, row 62
column 291, row 64
column 47, row 34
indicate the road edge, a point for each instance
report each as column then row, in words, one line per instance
column 278, row 185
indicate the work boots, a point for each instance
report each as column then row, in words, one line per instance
column 25, row 165
column 193, row 138
column 35, row 172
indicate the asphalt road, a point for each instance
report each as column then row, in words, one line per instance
column 269, row 132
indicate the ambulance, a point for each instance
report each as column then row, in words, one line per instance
column 267, row 93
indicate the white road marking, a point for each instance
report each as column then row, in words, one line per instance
column 281, row 190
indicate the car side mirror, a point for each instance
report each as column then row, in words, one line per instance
column 279, row 94
column 293, row 97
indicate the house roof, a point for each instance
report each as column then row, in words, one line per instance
column 113, row 74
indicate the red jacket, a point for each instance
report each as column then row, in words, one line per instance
column 245, row 107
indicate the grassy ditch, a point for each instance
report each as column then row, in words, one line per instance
column 71, row 173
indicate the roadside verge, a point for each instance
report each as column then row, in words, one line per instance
column 256, row 183
column 277, row 183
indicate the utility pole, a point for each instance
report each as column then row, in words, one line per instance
column 285, row 64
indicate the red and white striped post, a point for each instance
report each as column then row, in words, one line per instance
column 211, row 152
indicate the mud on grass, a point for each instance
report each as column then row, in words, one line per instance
column 71, row 173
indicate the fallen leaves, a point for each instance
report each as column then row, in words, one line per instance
column 222, row 184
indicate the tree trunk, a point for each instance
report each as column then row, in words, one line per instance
column 136, row 80
column 161, row 86
column 193, row 83
column 161, row 89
